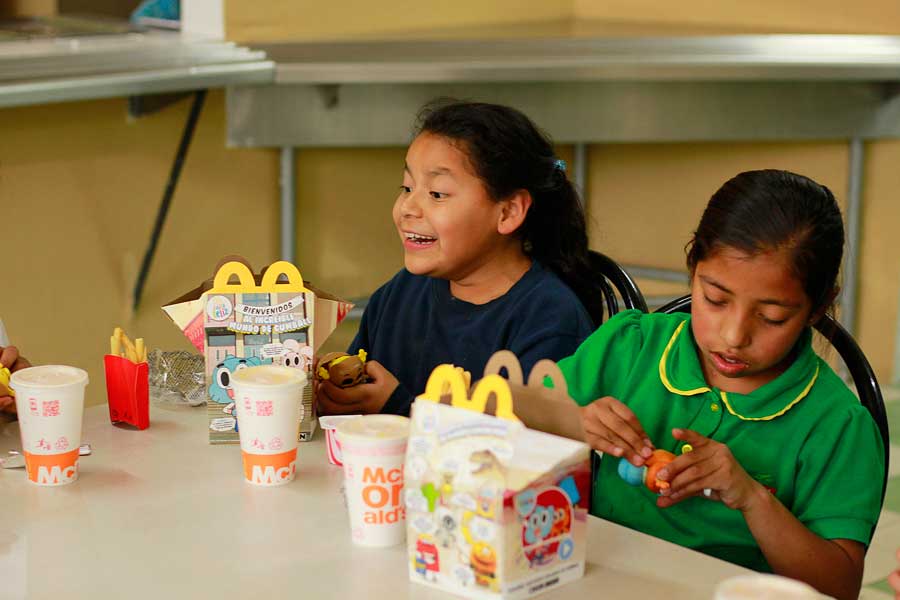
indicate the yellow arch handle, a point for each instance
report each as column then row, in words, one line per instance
column 283, row 267
column 238, row 269
column 445, row 376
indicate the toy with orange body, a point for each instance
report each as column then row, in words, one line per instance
column 646, row 475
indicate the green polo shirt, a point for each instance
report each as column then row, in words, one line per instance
column 804, row 435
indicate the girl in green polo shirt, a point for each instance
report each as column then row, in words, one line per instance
column 785, row 466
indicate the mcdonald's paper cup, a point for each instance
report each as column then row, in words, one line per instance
column 50, row 403
column 374, row 447
column 268, row 402
column 764, row 586
column 329, row 426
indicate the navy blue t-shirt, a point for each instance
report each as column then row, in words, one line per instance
column 413, row 324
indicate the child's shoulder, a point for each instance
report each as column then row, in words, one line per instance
column 649, row 324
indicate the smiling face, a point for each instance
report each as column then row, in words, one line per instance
column 446, row 219
column 747, row 312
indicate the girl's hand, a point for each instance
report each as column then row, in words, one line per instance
column 365, row 398
column 709, row 466
column 613, row 429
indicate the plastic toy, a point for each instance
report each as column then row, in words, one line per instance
column 342, row 369
column 4, row 378
column 646, row 475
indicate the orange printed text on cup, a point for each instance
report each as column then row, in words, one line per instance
column 52, row 469
column 382, row 491
column 270, row 469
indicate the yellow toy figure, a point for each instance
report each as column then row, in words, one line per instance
column 4, row 378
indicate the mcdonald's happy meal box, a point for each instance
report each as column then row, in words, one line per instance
column 239, row 320
column 495, row 508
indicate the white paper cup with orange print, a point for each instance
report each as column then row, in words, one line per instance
column 50, row 405
column 373, row 448
column 329, row 425
column 268, row 402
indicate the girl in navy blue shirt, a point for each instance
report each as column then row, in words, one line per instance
column 496, row 257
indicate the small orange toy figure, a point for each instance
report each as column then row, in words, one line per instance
column 646, row 474
column 342, row 369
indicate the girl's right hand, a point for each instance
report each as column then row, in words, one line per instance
column 612, row 428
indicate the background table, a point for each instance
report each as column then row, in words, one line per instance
column 160, row 513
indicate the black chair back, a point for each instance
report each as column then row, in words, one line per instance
column 613, row 276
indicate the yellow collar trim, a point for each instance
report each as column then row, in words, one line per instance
column 668, row 384
column 662, row 368
column 799, row 397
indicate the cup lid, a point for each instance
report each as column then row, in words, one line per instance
column 764, row 586
column 375, row 428
column 48, row 376
column 268, row 376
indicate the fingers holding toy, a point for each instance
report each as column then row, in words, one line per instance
column 710, row 470
column 366, row 398
column 612, row 428
column 12, row 360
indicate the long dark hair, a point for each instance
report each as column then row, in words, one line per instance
column 509, row 153
column 759, row 211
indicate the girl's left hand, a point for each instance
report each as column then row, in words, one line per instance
column 364, row 398
column 709, row 466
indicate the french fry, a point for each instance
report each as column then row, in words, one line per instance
column 121, row 345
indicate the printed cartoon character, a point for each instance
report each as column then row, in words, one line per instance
column 646, row 475
column 562, row 523
column 342, row 369
column 220, row 390
column 298, row 356
column 546, row 528
column 446, row 528
column 446, row 489
column 427, row 562
column 483, row 559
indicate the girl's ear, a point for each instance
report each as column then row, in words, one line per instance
column 513, row 211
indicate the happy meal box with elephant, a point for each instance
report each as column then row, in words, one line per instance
column 496, row 507
column 240, row 319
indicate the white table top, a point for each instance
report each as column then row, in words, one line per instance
column 160, row 513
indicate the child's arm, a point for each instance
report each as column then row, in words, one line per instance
column 364, row 398
column 834, row 567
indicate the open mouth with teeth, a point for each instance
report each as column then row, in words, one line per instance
column 418, row 240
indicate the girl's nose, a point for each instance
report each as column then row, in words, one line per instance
column 409, row 205
column 736, row 331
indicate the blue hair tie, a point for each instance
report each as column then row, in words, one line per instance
column 560, row 164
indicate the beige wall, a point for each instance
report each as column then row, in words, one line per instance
column 254, row 22
column 80, row 185
column 831, row 16
column 79, row 188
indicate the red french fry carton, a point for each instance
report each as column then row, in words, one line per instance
column 128, row 391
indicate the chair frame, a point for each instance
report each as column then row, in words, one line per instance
column 614, row 274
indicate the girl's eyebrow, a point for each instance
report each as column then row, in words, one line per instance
column 772, row 301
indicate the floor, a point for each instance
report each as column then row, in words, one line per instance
column 881, row 558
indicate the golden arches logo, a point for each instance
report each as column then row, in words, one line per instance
column 247, row 284
column 447, row 379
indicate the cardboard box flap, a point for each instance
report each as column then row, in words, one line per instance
column 545, row 431
column 550, row 410
column 186, row 311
